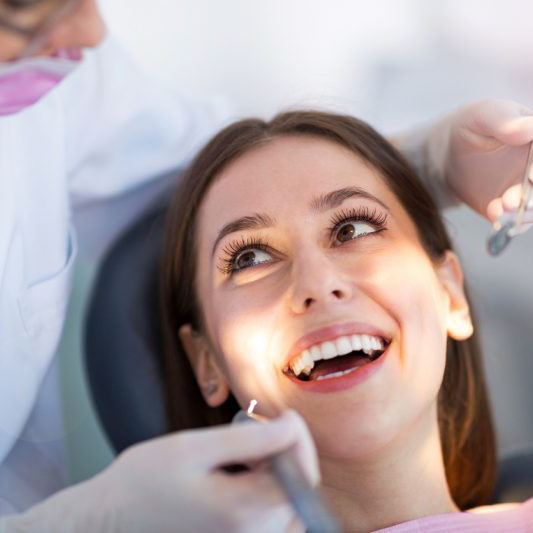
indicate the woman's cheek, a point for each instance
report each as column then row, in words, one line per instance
column 245, row 336
column 423, row 340
column 406, row 287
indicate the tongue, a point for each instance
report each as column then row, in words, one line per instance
column 339, row 364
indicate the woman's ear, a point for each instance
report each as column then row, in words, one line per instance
column 211, row 381
column 459, row 322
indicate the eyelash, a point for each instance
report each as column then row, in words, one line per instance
column 234, row 248
column 360, row 214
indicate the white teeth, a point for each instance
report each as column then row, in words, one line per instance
column 356, row 343
column 308, row 362
column 328, row 349
column 297, row 366
column 343, row 345
column 316, row 353
column 305, row 362
column 367, row 344
column 335, row 374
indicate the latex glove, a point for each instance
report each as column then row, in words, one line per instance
column 175, row 483
column 480, row 153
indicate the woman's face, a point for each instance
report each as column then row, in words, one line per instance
column 308, row 264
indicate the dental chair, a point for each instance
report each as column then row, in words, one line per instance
column 122, row 351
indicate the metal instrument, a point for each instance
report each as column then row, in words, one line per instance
column 502, row 234
column 305, row 500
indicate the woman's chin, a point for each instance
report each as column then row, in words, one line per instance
column 354, row 438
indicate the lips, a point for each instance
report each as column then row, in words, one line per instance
column 332, row 332
column 356, row 373
column 346, row 346
column 336, row 356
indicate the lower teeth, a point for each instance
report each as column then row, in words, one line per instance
column 335, row 374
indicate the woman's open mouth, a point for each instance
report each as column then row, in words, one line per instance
column 337, row 363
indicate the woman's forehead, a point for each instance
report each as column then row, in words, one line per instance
column 286, row 174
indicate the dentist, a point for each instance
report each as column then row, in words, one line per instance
column 77, row 128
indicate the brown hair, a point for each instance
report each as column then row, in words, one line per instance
column 464, row 415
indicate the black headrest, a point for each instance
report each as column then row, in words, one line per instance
column 122, row 344
column 515, row 478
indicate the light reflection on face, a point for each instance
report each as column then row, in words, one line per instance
column 305, row 268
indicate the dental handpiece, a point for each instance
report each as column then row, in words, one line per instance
column 305, row 500
column 502, row 234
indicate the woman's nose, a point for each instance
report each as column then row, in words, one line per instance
column 83, row 28
column 317, row 282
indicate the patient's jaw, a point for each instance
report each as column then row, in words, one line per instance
column 291, row 267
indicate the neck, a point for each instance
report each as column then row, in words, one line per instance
column 405, row 481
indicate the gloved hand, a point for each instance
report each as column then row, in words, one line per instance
column 175, row 483
column 480, row 153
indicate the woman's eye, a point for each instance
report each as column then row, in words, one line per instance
column 352, row 230
column 251, row 257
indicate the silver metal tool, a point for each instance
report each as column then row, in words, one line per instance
column 502, row 234
column 305, row 500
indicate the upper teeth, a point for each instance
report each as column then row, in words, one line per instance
column 305, row 362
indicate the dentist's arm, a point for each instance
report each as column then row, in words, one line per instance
column 126, row 137
column 176, row 483
column 475, row 155
column 123, row 128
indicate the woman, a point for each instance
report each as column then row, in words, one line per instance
column 306, row 267
column 71, row 115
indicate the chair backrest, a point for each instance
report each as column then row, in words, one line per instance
column 122, row 351
column 515, row 478
column 122, row 346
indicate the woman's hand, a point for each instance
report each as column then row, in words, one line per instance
column 481, row 151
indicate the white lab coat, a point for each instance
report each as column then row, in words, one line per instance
column 106, row 129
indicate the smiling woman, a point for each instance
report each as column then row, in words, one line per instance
column 307, row 267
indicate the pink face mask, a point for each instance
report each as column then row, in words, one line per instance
column 26, row 81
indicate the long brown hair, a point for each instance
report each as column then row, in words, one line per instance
column 464, row 415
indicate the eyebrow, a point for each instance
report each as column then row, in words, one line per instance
column 333, row 199
column 321, row 203
column 256, row 221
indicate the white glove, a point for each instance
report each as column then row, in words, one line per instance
column 175, row 483
column 480, row 152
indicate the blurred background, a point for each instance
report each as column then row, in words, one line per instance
column 394, row 63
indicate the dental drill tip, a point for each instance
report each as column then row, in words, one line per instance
column 251, row 407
